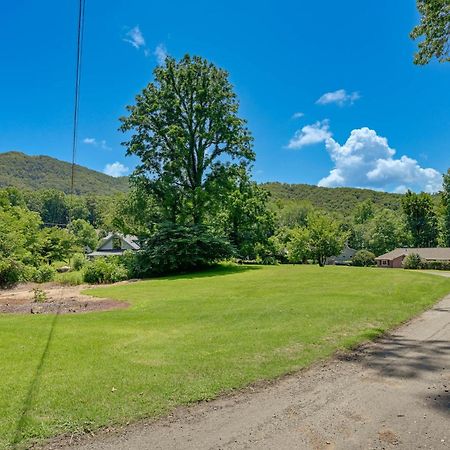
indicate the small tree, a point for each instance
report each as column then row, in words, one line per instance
column 326, row 237
column 56, row 244
column 363, row 258
column 84, row 234
column 299, row 246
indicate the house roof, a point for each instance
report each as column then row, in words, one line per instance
column 433, row 253
column 106, row 253
column 129, row 239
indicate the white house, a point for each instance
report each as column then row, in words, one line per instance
column 345, row 257
column 115, row 244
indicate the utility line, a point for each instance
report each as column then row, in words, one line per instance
column 35, row 382
column 77, row 91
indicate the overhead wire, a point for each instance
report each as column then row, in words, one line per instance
column 79, row 54
column 35, row 382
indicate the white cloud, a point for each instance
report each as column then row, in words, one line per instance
column 310, row 134
column 297, row 115
column 340, row 97
column 367, row 161
column 94, row 142
column 135, row 37
column 160, row 53
column 116, row 169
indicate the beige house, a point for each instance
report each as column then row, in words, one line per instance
column 395, row 258
column 115, row 244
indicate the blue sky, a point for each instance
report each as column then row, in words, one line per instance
column 345, row 66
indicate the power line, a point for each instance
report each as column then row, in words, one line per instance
column 77, row 90
column 38, row 374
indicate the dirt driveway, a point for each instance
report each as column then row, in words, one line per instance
column 392, row 394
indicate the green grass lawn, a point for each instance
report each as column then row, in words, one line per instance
column 189, row 338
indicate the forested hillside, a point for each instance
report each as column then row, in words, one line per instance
column 43, row 172
column 340, row 200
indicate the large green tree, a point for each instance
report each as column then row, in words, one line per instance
column 421, row 220
column 446, row 209
column 187, row 133
column 385, row 232
column 434, row 28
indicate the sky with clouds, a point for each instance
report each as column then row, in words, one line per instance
column 329, row 89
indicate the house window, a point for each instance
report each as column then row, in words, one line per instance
column 116, row 243
column 384, row 262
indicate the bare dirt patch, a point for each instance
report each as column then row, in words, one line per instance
column 58, row 299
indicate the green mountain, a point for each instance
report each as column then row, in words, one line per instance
column 341, row 200
column 43, row 172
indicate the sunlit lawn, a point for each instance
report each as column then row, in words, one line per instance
column 189, row 338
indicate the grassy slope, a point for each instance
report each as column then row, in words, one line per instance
column 189, row 338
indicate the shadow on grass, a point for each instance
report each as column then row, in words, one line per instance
column 214, row 271
column 33, row 388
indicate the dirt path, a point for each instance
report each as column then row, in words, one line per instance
column 392, row 394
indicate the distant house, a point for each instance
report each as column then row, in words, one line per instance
column 395, row 258
column 115, row 244
column 344, row 257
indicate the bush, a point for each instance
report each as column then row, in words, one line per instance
column 104, row 270
column 78, row 261
column 412, row 261
column 363, row 258
column 43, row 274
column 178, row 248
column 69, row 278
column 10, row 272
column 39, row 296
column 436, row 265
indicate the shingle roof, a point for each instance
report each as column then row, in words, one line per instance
column 434, row 253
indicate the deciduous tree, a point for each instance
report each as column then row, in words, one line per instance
column 446, row 209
column 421, row 219
column 434, row 28
column 326, row 237
column 187, row 133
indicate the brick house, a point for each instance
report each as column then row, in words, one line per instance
column 394, row 259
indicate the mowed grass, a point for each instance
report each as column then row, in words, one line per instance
column 189, row 338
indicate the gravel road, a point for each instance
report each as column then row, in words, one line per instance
column 391, row 394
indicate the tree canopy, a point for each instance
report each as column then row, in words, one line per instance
column 434, row 28
column 187, row 133
column 421, row 219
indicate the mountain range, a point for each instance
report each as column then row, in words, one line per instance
column 44, row 172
